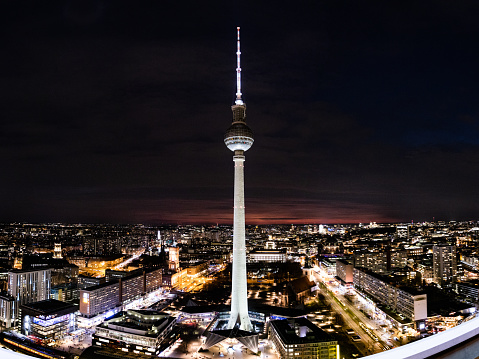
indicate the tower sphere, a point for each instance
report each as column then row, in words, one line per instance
column 239, row 137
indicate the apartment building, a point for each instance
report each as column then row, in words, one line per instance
column 405, row 301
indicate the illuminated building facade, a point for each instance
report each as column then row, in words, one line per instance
column 344, row 271
column 57, row 252
column 48, row 319
column 402, row 232
column 299, row 338
column 380, row 261
column 444, row 264
column 87, row 281
column 99, row 299
column 142, row 332
column 103, row 297
column 407, row 302
column 28, row 286
column 174, row 258
column 267, row 255
column 7, row 310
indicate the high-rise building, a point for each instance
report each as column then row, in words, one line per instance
column 7, row 310
column 174, row 258
column 239, row 138
column 28, row 286
column 444, row 264
column 402, row 232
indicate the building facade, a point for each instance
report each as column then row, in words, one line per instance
column 27, row 286
column 7, row 310
column 406, row 301
column 103, row 297
column 99, row 299
column 300, row 339
column 48, row 319
column 444, row 264
column 344, row 271
column 267, row 255
column 141, row 332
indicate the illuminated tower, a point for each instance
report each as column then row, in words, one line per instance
column 239, row 138
column 57, row 252
column 174, row 258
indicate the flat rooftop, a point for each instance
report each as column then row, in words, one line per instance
column 50, row 306
column 289, row 330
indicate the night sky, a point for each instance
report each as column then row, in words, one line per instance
column 114, row 111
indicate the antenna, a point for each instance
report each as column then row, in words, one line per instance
column 238, row 100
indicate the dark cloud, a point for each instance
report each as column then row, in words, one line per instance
column 115, row 112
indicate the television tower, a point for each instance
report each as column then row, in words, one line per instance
column 239, row 138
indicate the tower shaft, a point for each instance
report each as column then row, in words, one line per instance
column 239, row 293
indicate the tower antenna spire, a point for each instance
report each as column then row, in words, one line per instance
column 239, row 100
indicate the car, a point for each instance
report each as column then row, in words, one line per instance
column 356, row 338
column 349, row 331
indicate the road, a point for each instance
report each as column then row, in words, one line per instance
column 368, row 322
column 352, row 318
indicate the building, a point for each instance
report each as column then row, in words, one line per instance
column 344, row 271
column 444, row 264
column 407, row 302
column 131, row 287
column 425, row 267
column 171, row 279
column 81, row 262
column 99, row 299
column 380, row 261
column 103, row 297
column 28, row 286
column 414, row 251
column 7, row 310
column 267, row 255
column 300, row 289
column 57, row 252
column 328, row 266
column 48, row 319
column 87, row 281
column 153, row 279
column 143, row 332
column 402, row 232
column 196, row 269
column 65, row 292
column 468, row 290
column 299, row 338
column 174, row 258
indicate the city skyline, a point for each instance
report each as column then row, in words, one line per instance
column 362, row 112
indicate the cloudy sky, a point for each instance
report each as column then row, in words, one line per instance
column 114, row 111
